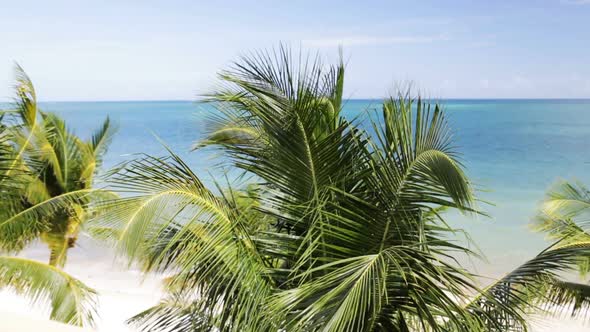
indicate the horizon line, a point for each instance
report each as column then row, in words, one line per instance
column 350, row 99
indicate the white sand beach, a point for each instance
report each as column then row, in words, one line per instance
column 16, row 323
column 123, row 293
column 560, row 325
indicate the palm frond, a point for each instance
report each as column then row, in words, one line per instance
column 170, row 220
column 565, row 213
column 528, row 287
column 565, row 298
column 102, row 138
column 20, row 227
column 71, row 301
column 26, row 98
column 174, row 313
column 345, row 231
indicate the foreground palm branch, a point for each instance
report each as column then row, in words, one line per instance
column 538, row 285
column 339, row 230
column 46, row 178
column 71, row 301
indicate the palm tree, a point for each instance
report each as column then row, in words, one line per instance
column 46, row 178
column 340, row 228
column 343, row 231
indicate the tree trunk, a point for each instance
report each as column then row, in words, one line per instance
column 58, row 248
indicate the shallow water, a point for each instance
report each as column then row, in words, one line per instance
column 513, row 149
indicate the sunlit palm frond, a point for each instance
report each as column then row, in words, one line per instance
column 173, row 313
column 566, row 299
column 418, row 156
column 26, row 98
column 293, row 141
column 568, row 200
column 102, row 138
column 565, row 213
column 170, row 220
column 23, row 131
column 44, row 195
column 357, row 294
column 91, row 153
column 529, row 287
column 71, row 301
column 564, row 216
column 345, row 233
column 19, row 227
column 230, row 130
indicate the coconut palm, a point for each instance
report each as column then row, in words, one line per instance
column 347, row 233
column 51, row 174
column 46, row 178
column 341, row 227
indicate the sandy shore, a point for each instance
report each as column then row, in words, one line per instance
column 16, row 323
column 124, row 293
column 559, row 325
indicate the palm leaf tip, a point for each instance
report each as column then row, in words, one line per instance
column 26, row 100
column 344, row 234
column 102, row 137
column 70, row 300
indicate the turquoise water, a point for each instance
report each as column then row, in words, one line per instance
column 513, row 149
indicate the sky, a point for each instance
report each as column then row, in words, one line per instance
column 172, row 50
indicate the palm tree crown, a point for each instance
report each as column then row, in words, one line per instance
column 340, row 232
column 46, row 179
column 341, row 227
column 51, row 172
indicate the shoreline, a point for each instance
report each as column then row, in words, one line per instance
column 126, row 292
column 122, row 292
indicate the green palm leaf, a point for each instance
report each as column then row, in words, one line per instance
column 71, row 301
column 172, row 221
column 529, row 287
column 565, row 214
column 565, row 297
column 46, row 178
column 343, row 232
column 19, row 228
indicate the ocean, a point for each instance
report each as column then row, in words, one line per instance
column 513, row 150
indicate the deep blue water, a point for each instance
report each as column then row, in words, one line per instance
column 513, row 149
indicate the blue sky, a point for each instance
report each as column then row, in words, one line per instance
column 135, row 50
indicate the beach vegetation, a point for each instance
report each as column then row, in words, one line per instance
column 340, row 226
column 46, row 193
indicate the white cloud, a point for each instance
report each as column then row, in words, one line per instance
column 373, row 40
